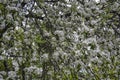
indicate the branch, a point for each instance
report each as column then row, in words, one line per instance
column 3, row 30
column 52, row 1
column 32, row 15
column 11, row 55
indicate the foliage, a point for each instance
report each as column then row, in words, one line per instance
column 60, row 40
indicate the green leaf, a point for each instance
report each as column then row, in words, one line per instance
column 39, row 40
column 41, row 1
column 2, row 68
column 92, row 45
column 2, row 7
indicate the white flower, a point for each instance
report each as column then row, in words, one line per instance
column 68, row 5
column 76, row 36
column 90, row 40
column 84, row 26
column 45, row 57
column 97, row 1
column 11, row 74
column 1, row 77
column 31, row 69
column 12, row 8
column 88, row 47
column 89, row 64
column 9, row 16
column 38, row 70
column 56, row 55
column 60, row 33
column 1, row 58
